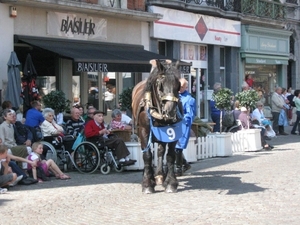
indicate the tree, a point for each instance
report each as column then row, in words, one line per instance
column 125, row 99
column 57, row 101
column 248, row 99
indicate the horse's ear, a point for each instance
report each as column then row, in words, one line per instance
column 168, row 61
column 156, row 64
column 153, row 63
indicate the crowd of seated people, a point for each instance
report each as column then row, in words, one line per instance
column 20, row 164
column 16, row 140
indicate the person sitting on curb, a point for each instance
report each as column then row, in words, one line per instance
column 11, row 159
column 96, row 132
column 7, row 135
column 7, row 177
column 45, row 165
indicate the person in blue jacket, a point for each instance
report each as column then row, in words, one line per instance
column 189, row 111
column 214, row 111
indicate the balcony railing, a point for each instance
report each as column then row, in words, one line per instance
column 292, row 2
column 263, row 8
column 260, row 8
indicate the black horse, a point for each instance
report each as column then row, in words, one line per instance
column 156, row 105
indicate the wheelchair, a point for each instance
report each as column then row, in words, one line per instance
column 88, row 157
column 55, row 148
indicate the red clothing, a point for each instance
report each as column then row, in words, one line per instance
column 250, row 82
column 91, row 129
column 91, row 132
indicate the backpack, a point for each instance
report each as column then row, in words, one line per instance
column 228, row 119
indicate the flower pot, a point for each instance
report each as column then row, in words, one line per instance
column 251, row 139
column 190, row 152
column 135, row 153
column 223, row 144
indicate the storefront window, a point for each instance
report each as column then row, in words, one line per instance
column 112, row 86
column 108, row 90
column 264, row 79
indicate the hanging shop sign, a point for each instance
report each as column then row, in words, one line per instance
column 91, row 67
column 195, row 28
column 77, row 26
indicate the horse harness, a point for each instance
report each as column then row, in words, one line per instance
column 168, row 133
column 147, row 101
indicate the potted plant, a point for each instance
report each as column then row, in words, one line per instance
column 248, row 99
column 252, row 137
column 125, row 100
column 57, row 101
column 222, row 99
column 222, row 141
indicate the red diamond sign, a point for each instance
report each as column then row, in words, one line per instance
column 201, row 28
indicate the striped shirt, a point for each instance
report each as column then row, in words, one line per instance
column 74, row 127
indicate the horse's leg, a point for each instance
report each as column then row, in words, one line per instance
column 171, row 182
column 159, row 174
column 148, row 182
column 179, row 161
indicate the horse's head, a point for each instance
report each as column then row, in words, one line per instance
column 162, row 90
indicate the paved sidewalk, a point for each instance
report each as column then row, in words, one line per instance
column 247, row 188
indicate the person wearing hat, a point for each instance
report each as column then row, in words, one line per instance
column 95, row 131
column 246, row 124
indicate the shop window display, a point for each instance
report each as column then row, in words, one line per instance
column 264, row 78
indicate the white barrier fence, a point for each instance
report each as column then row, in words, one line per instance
column 213, row 145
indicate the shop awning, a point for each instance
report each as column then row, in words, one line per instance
column 265, row 59
column 91, row 56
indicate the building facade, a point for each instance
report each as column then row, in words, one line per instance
column 268, row 47
column 77, row 45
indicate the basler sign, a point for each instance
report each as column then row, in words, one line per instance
column 79, row 26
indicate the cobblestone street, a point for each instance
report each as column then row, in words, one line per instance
column 247, row 188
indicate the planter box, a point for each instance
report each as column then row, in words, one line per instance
column 135, row 153
column 222, row 143
column 190, row 152
column 251, row 139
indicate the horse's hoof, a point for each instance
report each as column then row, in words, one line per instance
column 148, row 190
column 170, row 189
column 159, row 180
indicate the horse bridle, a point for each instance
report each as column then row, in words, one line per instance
column 157, row 112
